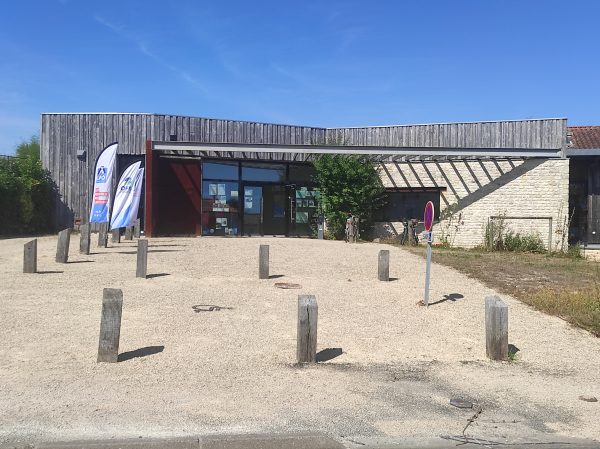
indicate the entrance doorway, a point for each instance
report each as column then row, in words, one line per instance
column 267, row 210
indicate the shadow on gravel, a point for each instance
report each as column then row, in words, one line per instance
column 275, row 276
column 451, row 297
column 157, row 275
column 328, row 354
column 49, row 272
column 81, row 261
column 142, row 352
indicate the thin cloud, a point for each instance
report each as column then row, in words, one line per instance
column 143, row 47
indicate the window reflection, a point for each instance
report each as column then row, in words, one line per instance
column 220, row 170
column 220, row 202
column 302, row 173
column 256, row 171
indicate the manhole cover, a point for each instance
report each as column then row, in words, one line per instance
column 287, row 285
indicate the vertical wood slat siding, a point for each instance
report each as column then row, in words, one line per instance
column 61, row 135
column 532, row 134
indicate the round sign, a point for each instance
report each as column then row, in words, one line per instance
column 428, row 216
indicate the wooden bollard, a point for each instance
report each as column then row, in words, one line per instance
column 30, row 257
column 263, row 262
column 308, row 313
column 496, row 328
column 142, row 258
column 103, row 235
column 84, row 238
column 116, row 235
column 129, row 233
column 137, row 228
column 62, row 246
column 383, row 267
column 110, row 325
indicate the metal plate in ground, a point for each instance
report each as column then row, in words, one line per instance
column 460, row 403
column 287, row 285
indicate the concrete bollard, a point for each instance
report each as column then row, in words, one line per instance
column 263, row 262
column 116, row 235
column 496, row 328
column 137, row 228
column 84, row 238
column 383, row 267
column 62, row 246
column 103, row 235
column 142, row 259
column 110, row 325
column 129, row 233
column 30, row 257
column 308, row 313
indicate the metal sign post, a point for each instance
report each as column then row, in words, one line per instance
column 428, row 220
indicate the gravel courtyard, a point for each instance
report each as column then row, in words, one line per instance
column 185, row 369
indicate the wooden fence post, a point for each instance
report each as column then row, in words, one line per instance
column 30, row 257
column 263, row 262
column 142, row 258
column 116, row 235
column 62, row 246
column 84, row 238
column 308, row 313
column 383, row 268
column 110, row 325
column 136, row 228
column 496, row 328
column 103, row 235
column 129, row 233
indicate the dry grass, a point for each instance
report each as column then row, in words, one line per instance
column 560, row 286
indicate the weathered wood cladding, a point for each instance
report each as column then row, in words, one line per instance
column 544, row 133
column 62, row 135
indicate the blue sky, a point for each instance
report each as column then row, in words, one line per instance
column 314, row 63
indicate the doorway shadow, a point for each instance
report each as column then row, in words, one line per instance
column 328, row 354
column 451, row 297
column 142, row 352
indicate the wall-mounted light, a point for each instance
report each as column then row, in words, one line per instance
column 81, row 155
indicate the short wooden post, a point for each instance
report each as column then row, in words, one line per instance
column 103, row 235
column 116, row 235
column 62, row 246
column 263, row 262
column 84, row 238
column 383, row 268
column 110, row 325
column 142, row 258
column 137, row 228
column 351, row 230
column 308, row 313
column 30, row 257
column 496, row 328
column 129, row 233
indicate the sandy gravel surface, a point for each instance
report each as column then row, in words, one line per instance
column 233, row 370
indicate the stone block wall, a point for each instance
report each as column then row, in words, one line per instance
column 475, row 190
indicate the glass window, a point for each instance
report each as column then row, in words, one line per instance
column 302, row 173
column 399, row 205
column 220, row 202
column 256, row 171
column 220, row 170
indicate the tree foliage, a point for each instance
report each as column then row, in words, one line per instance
column 25, row 197
column 349, row 184
column 29, row 147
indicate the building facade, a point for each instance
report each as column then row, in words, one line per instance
column 219, row 177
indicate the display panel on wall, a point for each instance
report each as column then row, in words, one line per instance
column 407, row 204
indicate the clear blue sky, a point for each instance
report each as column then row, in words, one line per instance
column 318, row 63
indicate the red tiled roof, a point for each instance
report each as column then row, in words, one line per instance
column 585, row 137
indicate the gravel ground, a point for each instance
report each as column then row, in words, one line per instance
column 185, row 370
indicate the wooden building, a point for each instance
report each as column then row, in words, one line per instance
column 197, row 168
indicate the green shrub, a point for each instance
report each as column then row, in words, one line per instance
column 525, row 243
column 25, row 197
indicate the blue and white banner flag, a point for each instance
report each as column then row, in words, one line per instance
column 124, row 197
column 102, row 183
column 137, row 192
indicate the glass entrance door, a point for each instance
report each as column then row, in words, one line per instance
column 265, row 210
